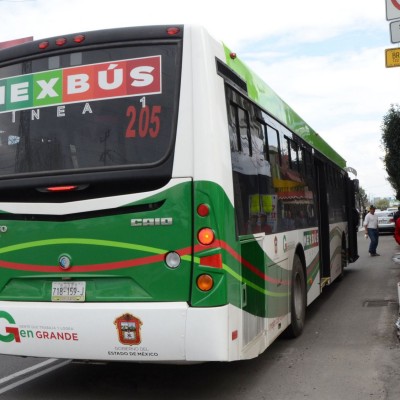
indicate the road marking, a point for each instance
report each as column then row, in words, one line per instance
column 31, row 377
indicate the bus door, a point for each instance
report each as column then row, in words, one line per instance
column 353, row 218
column 323, row 221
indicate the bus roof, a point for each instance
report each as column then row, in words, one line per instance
column 262, row 94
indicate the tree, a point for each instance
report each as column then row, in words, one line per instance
column 391, row 146
column 361, row 199
column 382, row 204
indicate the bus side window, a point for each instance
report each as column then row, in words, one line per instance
column 273, row 150
column 266, row 214
column 294, row 156
column 244, row 172
column 244, row 132
column 274, row 160
column 302, row 163
column 233, row 128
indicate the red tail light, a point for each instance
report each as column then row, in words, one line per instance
column 173, row 31
column 79, row 38
column 203, row 210
column 44, row 45
column 61, row 188
column 61, row 41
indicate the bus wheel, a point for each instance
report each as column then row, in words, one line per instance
column 298, row 299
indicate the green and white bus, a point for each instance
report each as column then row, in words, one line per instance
column 158, row 201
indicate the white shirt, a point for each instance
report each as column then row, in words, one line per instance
column 371, row 221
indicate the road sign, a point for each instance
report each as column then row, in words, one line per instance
column 395, row 31
column 392, row 9
column 392, row 57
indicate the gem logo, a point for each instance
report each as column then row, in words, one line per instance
column 48, row 333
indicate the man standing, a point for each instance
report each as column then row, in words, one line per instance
column 371, row 231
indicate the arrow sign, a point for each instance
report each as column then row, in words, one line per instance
column 392, row 9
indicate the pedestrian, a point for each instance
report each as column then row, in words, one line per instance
column 364, row 214
column 397, row 231
column 371, row 230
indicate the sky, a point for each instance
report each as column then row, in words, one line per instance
column 326, row 59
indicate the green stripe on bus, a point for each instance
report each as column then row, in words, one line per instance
column 94, row 242
column 263, row 95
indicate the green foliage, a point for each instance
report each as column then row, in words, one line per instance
column 382, row 204
column 391, row 145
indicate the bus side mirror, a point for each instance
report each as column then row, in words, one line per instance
column 356, row 185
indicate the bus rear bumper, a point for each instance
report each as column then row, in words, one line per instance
column 138, row 332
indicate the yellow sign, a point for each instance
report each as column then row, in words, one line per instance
column 392, row 58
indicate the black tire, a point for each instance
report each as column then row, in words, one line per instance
column 298, row 299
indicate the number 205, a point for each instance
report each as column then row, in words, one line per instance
column 145, row 122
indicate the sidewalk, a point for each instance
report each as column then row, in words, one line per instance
column 395, row 259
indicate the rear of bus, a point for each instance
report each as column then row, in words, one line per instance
column 97, row 238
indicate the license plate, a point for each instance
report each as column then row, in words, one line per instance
column 68, row 291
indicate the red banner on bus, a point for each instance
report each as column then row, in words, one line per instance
column 15, row 42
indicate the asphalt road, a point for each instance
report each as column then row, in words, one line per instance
column 348, row 351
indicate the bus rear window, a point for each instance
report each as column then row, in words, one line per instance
column 110, row 108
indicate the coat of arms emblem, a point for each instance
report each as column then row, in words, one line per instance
column 128, row 328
